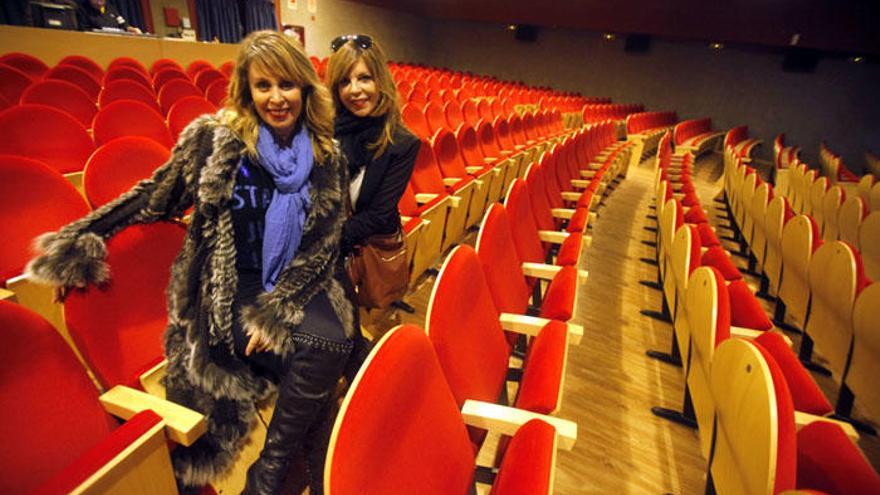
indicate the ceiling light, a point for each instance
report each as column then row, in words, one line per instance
column 716, row 46
column 857, row 59
column 608, row 36
column 511, row 27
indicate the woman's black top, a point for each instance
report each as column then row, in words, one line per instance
column 385, row 179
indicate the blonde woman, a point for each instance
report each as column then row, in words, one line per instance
column 257, row 296
column 380, row 150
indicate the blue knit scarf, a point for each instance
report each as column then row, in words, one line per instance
column 290, row 168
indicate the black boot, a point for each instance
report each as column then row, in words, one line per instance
column 304, row 393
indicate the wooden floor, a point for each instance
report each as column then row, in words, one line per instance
column 611, row 384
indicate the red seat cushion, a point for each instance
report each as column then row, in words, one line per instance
column 558, row 302
column 540, row 387
column 707, row 235
column 97, row 457
column 528, row 463
column 827, row 460
column 745, row 310
column 690, row 199
column 569, row 251
column 718, row 258
column 805, row 393
column 696, row 215
column 578, row 222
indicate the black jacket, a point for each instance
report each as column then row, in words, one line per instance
column 384, row 182
column 90, row 18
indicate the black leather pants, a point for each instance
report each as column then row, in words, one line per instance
column 303, row 417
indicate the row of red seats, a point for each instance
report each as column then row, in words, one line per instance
column 640, row 122
column 833, row 166
column 136, row 256
column 695, row 135
column 479, row 294
column 710, row 305
column 817, row 283
column 614, row 111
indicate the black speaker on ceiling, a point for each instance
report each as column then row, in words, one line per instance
column 637, row 43
column 525, row 32
column 800, row 60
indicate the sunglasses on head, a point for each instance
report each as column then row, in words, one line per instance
column 361, row 40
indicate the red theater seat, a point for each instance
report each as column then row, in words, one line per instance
column 25, row 131
column 64, row 96
column 185, row 111
column 117, row 166
column 401, row 387
column 130, row 118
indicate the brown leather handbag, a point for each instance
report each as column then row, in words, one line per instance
column 379, row 271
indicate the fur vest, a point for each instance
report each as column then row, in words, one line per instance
column 203, row 371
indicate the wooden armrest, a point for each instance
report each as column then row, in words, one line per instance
column 802, row 419
column 570, row 195
column 506, row 152
column 489, row 159
column 506, row 420
column 562, row 212
column 540, row 270
column 450, row 181
column 422, row 198
column 454, row 201
column 473, row 169
column 547, row 272
column 588, row 174
column 6, row 295
column 553, row 236
column 151, row 380
column 580, row 183
column 745, row 333
column 532, row 325
column 183, row 425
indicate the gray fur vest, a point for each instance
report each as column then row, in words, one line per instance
column 203, row 371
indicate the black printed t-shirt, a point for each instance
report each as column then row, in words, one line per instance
column 250, row 199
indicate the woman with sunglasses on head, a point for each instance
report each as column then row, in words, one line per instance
column 380, row 150
column 258, row 296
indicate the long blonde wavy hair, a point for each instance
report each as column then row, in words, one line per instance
column 277, row 55
column 341, row 63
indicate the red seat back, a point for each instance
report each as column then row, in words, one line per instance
column 126, row 89
column 73, row 74
column 164, row 75
column 400, row 388
column 64, row 96
column 525, row 231
column 26, row 132
column 462, row 323
column 13, row 82
column 448, row 154
column 120, row 73
column 50, row 408
column 118, row 165
column 84, row 63
column 119, row 326
column 185, row 111
column 34, row 199
column 415, row 120
column 502, row 266
column 217, row 92
column 174, row 90
column 130, row 118
column 30, row 65
column 204, row 78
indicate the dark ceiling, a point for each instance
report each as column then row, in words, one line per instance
column 848, row 27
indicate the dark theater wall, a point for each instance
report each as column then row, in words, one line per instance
column 839, row 102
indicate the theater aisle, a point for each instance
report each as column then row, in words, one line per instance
column 611, row 384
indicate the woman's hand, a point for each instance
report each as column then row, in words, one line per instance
column 259, row 342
